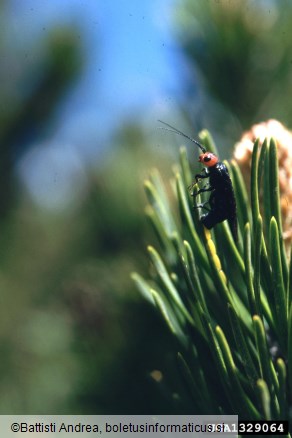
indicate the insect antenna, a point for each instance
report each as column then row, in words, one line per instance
column 176, row 131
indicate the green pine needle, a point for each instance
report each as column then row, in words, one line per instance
column 231, row 302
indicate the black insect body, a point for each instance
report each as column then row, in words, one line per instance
column 222, row 204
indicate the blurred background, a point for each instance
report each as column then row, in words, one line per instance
column 83, row 83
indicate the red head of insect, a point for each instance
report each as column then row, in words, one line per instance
column 208, row 159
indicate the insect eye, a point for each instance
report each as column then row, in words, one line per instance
column 207, row 158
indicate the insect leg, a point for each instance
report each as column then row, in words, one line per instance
column 202, row 175
column 203, row 205
column 204, row 189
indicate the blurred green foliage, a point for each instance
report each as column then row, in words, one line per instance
column 73, row 335
column 26, row 115
column 240, row 52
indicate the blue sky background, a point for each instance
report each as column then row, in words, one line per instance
column 128, row 50
column 130, row 71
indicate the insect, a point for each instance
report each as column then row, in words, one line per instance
column 221, row 203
